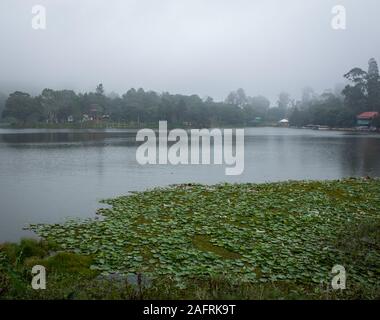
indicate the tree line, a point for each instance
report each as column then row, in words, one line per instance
column 361, row 94
column 140, row 107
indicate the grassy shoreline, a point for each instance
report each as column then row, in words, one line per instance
column 227, row 241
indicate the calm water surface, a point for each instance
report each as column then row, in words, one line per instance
column 47, row 176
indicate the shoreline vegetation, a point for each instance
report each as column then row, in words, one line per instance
column 134, row 126
column 226, row 241
column 335, row 108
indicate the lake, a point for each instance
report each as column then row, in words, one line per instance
column 47, row 176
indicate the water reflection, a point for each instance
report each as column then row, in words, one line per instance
column 46, row 175
column 51, row 138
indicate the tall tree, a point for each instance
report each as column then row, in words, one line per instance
column 373, row 86
column 237, row 98
column 100, row 89
column 49, row 105
column 3, row 99
column 356, row 94
column 242, row 97
column 256, row 107
column 23, row 107
column 307, row 95
column 284, row 101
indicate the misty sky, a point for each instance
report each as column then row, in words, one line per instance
column 206, row 47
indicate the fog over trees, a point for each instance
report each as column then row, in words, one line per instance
column 192, row 46
column 139, row 107
column 360, row 95
column 260, row 61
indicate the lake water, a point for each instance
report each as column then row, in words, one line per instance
column 49, row 175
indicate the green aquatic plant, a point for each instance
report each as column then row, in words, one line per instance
column 289, row 232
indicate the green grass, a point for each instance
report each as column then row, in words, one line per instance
column 242, row 241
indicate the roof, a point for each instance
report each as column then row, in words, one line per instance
column 368, row 115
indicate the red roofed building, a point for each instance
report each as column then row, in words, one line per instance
column 365, row 119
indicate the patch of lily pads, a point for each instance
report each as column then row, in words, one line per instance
column 286, row 231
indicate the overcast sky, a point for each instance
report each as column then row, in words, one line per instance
column 207, row 47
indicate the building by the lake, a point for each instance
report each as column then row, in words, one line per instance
column 366, row 119
column 283, row 123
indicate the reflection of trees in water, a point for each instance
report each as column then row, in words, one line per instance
column 126, row 138
column 361, row 157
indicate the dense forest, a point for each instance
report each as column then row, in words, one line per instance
column 337, row 108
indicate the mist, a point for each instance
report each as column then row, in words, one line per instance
column 190, row 47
